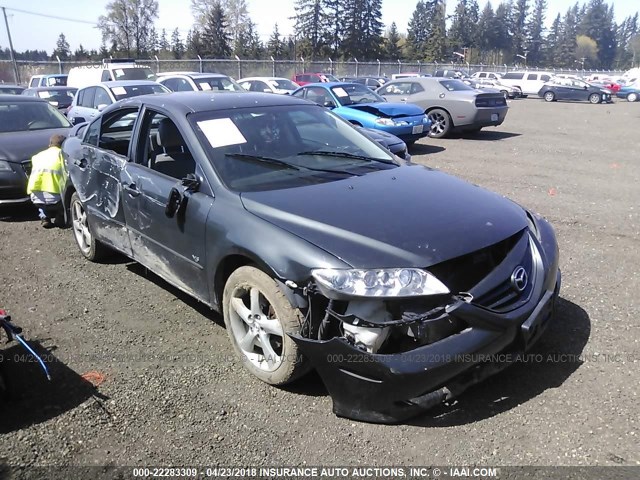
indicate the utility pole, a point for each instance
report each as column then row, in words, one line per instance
column 13, row 58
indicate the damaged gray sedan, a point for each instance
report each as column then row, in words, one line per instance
column 396, row 282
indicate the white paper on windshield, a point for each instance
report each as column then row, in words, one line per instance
column 119, row 91
column 205, row 86
column 339, row 91
column 119, row 72
column 45, row 94
column 221, row 132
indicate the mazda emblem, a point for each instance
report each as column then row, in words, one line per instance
column 519, row 279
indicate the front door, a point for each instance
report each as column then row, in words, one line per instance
column 173, row 246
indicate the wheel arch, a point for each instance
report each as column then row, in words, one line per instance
column 66, row 201
column 437, row 107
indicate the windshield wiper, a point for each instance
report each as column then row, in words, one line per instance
column 327, row 153
column 291, row 166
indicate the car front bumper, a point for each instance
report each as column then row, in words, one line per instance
column 417, row 128
column 13, row 184
column 389, row 388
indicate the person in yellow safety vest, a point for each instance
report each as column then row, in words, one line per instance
column 46, row 181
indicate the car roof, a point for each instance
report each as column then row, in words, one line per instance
column 194, row 75
column 262, row 78
column 56, row 87
column 330, row 84
column 193, row 102
column 19, row 99
column 122, row 83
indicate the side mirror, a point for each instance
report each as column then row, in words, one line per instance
column 102, row 106
column 585, row 87
column 329, row 104
column 179, row 196
column 267, row 90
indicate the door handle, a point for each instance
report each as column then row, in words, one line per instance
column 132, row 189
column 82, row 163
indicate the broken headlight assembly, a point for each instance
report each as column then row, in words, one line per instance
column 377, row 283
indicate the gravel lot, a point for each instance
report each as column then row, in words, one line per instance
column 171, row 392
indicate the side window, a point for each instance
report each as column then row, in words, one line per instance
column 259, row 87
column 532, row 76
column 92, row 134
column 171, row 84
column 482, row 75
column 101, row 98
column 162, row 147
column 87, row 99
column 117, row 130
column 183, row 85
column 34, row 82
column 416, row 88
column 79, row 97
column 106, row 76
column 318, row 95
column 306, row 78
column 545, row 78
column 402, row 88
column 300, row 93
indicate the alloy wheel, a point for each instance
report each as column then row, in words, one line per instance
column 81, row 227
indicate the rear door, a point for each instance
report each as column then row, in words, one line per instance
column 95, row 173
column 171, row 246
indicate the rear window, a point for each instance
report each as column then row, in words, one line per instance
column 127, row 91
column 133, row 73
column 22, row 116
column 513, row 76
column 217, row 83
column 455, row 85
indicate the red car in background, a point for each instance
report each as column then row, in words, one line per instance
column 306, row 78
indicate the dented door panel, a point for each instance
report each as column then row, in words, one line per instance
column 172, row 247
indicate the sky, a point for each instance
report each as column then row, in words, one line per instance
column 30, row 32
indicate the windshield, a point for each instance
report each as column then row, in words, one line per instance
column 36, row 115
column 57, row 81
column 455, row 85
column 283, row 84
column 11, row 90
column 218, row 83
column 133, row 73
column 351, row 93
column 121, row 92
column 269, row 148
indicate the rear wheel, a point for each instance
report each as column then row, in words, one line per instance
column 258, row 318
column 595, row 98
column 91, row 248
column 632, row 97
column 440, row 123
column 549, row 96
column 505, row 93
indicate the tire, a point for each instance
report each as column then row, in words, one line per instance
column 505, row 93
column 258, row 317
column 595, row 98
column 90, row 248
column 550, row 97
column 632, row 97
column 440, row 123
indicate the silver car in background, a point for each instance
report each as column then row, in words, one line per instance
column 449, row 103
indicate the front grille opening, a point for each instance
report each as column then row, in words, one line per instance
column 463, row 273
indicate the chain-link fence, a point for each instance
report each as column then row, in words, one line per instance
column 277, row 68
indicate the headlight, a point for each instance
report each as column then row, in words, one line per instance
column 385, row 282
column 385, row 121
column 5, row 167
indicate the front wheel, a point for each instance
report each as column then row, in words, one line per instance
column 440, row 123
column 632, row 97
column 595, row 98
column 91, row 248
column 549, row 96
column 258, row 318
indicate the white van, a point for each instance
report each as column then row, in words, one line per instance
column 48, row 81
column 111, row 70
column 529, row 82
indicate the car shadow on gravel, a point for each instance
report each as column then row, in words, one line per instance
column 486, row 135
column 33, row 399
column 422, row 149
column 547, row 365
column 19, row 213
column 201, row 308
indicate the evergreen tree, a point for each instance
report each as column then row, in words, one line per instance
column 275, row 45
column 335, row 12
column 392, row 50
column 502, row 25
column 62, row 49
column 80, row 54
column 215, row 39
column 152, row 42
column 163, row 43
column 177, row 47
column 310, row 25
column 519, row 25
column 463, row 32
column 487, row 34
column 598, row 24
column 536, row 32
column 550, row 51
column 435, row 47
column 238, row 21
column 418, row 31
column 567, row 44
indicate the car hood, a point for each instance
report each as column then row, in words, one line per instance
column 19, row 146
column 406, row 216
column 389, row 110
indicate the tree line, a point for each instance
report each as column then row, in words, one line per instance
column 514, row 32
